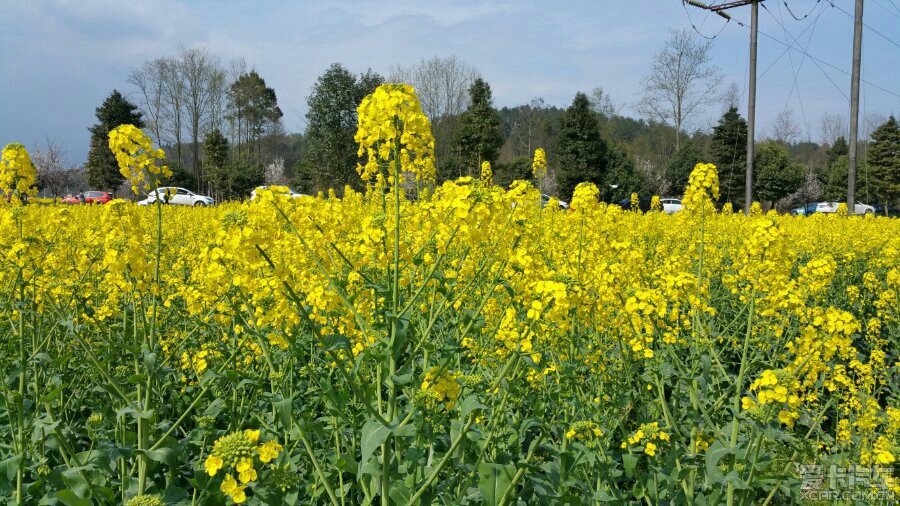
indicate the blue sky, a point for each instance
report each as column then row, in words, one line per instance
column 59, row 59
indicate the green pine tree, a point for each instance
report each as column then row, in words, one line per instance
column 215, row 154
column 775, row 175
column 883, row 158
column 102, row 168
column 836, row 182
column 582, row 152
column 839, row 149
column 621, row 172
column 331, row 152
column 681, row 165
column 728, row 151
column 478, row 137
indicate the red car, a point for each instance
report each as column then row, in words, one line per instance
column 70, row 199
column 95, row 197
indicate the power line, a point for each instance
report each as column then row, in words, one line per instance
column 815, row 59
column 797, row 73
column 785, row 51
column 805, row 15
column 889, row 11
column 885, row 37
column 691, row 21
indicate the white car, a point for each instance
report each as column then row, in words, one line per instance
column 290, row 192
column 177, row 196
column 545, row 199
column 670, row 205
column 830, row 207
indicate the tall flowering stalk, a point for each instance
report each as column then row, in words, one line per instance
column 487, row 175
column 17, row 172
column 137, row 161
column 539, row 167
column 393, row 128
column 136, row 157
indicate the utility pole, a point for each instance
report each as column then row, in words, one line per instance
column 854, row 108
column 751, row 108
column 751, row 102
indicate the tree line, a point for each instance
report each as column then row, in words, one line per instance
column 221, row 128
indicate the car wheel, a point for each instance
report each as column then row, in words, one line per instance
column 199, row 203
column 869, row 211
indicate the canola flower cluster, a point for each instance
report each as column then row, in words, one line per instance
column 137, row 158
column 17, row 172
column 238, row 452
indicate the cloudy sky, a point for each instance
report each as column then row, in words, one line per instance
column 59, row 59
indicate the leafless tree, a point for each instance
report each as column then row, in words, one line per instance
column 529, row 128
column 442, row 85
column 833, row 127
column 732, row 97
column 174, row 98
column 54, row 173
column 150, row 80
column 681, row 82
column 602, row 103
column 784, row 128
column 182, row 97
column 203, row 77
column 868, row 124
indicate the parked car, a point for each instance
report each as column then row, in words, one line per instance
column 829, row 207
column 97, row 197
column 885, row 210
column 671, row 205
column 545, row 199
column 290, row 192
column 643, row 203
column 177, row 196
column 72, row 199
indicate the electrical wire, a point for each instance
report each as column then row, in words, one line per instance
column 805, row 15
column 797, row 70
column 817, row 60
column 691, row 21
column 883, row 36
column 787, row 49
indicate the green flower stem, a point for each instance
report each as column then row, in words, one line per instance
column 739, row 389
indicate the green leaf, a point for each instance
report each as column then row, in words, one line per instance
column 469, row 404
column 9, row 467
column 284, row 408
column 399, row 493
column 373, row 434
column 629, row 460
column 70, row 498
column 334, row 342
column 715, row 453
column 494, row 480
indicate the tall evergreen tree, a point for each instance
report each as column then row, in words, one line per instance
column 331, row 152
column 775, row 175
column 681, row 165
column 838, row 150
column 836, row 182
column 883, row 158
column 728, row 150
column 621, row 173
column 102, row 168
column 582, row 152
column 215, row 154
column 478, row 138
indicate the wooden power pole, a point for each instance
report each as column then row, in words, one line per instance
column 751, row 101
column 854, row 108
